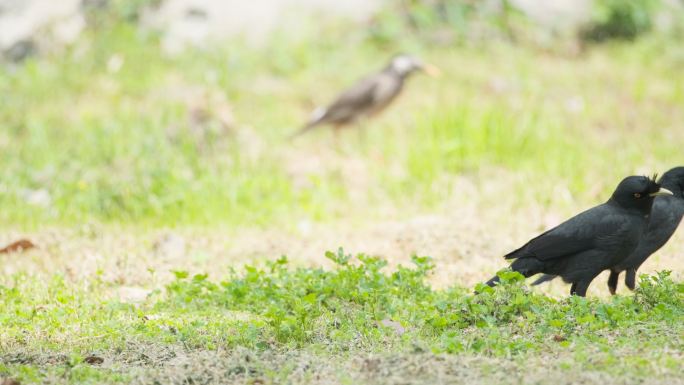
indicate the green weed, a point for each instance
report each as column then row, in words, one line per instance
column 355, row 307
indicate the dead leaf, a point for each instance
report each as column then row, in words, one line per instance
column 9, row 381
column 388, row 323
column 558, row 338
column 94, row 360
column 18, row 246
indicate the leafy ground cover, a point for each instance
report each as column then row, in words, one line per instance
column 162, row 177
column 274, row 323
column 114, row 131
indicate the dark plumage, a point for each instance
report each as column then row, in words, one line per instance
column 369, row 96
column 665, row 217
column 582, row 247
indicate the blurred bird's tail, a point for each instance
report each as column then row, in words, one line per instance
column 303, row 130
column 316, row 118
column 543, row 278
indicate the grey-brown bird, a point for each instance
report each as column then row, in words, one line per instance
column 368, row 96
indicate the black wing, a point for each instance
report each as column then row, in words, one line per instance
column 595, row 228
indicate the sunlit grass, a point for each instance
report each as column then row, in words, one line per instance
column 116, row 143
column 50, row 328
column 113, row 131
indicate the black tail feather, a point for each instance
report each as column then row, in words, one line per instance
column 493, row 281
column 525, row 266
column 544, row 278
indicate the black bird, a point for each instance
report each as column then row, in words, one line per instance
column 370, row 95
column 666, row 215
column 582, row 247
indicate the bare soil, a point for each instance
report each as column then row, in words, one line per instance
column 466, row 245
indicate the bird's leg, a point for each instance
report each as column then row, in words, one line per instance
column 336, row 139
column 579, row 288
column 630, row 278
column 613, row 281
column 360, row 124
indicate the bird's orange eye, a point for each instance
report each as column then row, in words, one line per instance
column 637, row 195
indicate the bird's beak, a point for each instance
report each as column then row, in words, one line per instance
column 662, row 191
column 431, row 70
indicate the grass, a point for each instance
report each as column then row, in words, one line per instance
column 112, row 136
column 52, row 329
column 141, row 142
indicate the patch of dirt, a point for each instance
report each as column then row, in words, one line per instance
column 466, row 238
column 147, row 364
column 466, row 249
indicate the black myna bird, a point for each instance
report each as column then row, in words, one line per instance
column 582, row 247
column 666, row 215
column 370, row 95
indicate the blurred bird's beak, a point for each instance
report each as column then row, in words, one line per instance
column 431, row 70
column 662, row 191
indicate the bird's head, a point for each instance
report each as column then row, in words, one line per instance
column 638, row 192
column 673, row 180
column 405, row 65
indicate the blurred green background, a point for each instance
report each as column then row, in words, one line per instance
column 114, row 128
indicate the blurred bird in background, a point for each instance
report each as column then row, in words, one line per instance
column 370, row 95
